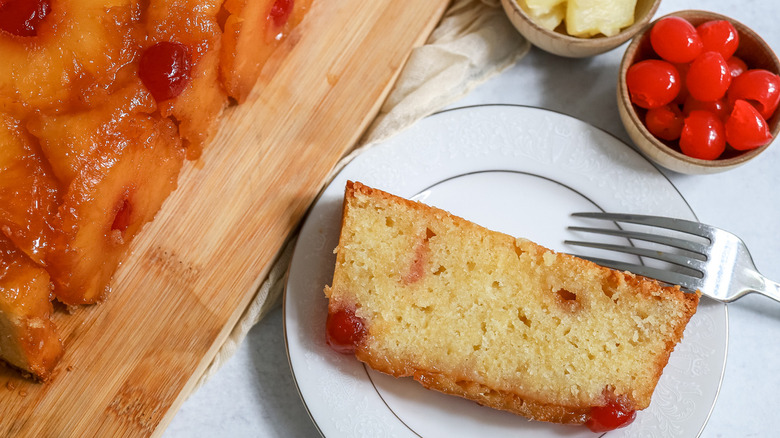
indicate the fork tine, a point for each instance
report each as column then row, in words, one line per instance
column 687, row 245
column 671, row 277
column 685, row 226
column 696, row 265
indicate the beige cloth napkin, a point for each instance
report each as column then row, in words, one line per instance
column 473, row 42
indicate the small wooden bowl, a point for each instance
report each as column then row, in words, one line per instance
column 560, row 43
column 752, row 49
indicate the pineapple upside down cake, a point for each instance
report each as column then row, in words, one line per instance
column 101, row 103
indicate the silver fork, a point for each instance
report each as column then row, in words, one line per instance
column 721, row 267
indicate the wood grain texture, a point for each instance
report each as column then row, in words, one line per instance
column 131, row 361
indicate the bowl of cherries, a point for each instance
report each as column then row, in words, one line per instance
column 698, row 92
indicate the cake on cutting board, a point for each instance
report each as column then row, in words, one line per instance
column 496, row 319
column 101, row 103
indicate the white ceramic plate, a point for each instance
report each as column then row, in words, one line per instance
column 514, row 169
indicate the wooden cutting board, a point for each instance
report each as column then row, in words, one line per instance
column 131, row 361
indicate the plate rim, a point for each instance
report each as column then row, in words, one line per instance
column 352, row 156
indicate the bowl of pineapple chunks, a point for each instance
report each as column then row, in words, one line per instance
column 579, row 28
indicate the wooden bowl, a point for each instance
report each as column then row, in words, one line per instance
column 560, row 43
column 752, row 49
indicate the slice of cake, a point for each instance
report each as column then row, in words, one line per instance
column 496, row 319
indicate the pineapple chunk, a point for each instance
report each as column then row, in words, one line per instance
column 586, row 18
column 108, row 203
column 81, row 47
column 69, row 141
column 29, row 192
column 543, row 6
column 250, row 38
column 28, row 338
column 549, row 17
column 194, row 24
column 119, row 163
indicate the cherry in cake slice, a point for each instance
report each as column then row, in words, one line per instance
column 496, row 319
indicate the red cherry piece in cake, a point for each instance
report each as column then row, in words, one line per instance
column 165, row 69
column 611, row 416
column 421, row 253
column 280, row 12
column 22, row 17
column 345, row 330
column 122, row 217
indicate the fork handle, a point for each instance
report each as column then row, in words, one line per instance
column 768, row 288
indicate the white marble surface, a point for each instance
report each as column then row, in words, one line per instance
column 254, row 394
